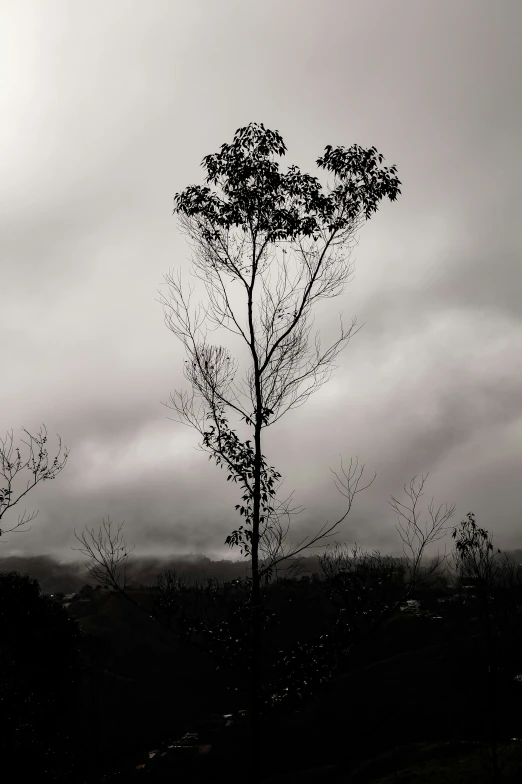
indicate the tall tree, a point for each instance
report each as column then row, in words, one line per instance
column 281, row 242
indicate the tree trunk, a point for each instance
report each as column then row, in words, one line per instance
column 255, row 598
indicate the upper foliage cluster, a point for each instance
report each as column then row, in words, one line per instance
column 252, row 193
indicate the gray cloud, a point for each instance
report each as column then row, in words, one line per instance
column 109, row 111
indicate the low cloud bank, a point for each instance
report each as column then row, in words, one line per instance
column 55, row 576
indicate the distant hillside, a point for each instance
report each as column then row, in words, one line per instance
column 55, row 576
column 52, row 575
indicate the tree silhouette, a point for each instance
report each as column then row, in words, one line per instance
column 38, row 652
column 282, row 242
column 108, row 553
column 493, row 586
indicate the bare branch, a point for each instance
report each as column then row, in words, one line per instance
column 37, row 462
column 349, row 489
column 415, row 539
column 108, row 553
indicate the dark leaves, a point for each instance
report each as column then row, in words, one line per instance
column 253, row 194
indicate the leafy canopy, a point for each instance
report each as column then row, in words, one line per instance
column 252, row 193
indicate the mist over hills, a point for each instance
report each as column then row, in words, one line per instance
column 54, row 575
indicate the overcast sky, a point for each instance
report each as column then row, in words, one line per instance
column 107, row 111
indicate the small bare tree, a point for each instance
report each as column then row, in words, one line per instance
column 108, row 554
column 37, row 463
column 416, row 538
column 282, row 242
column 370, row 586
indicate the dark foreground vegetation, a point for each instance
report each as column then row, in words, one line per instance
column 151, row 684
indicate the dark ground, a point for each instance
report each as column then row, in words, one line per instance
column 409, row 706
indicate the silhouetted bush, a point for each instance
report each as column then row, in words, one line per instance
column 38, row 650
